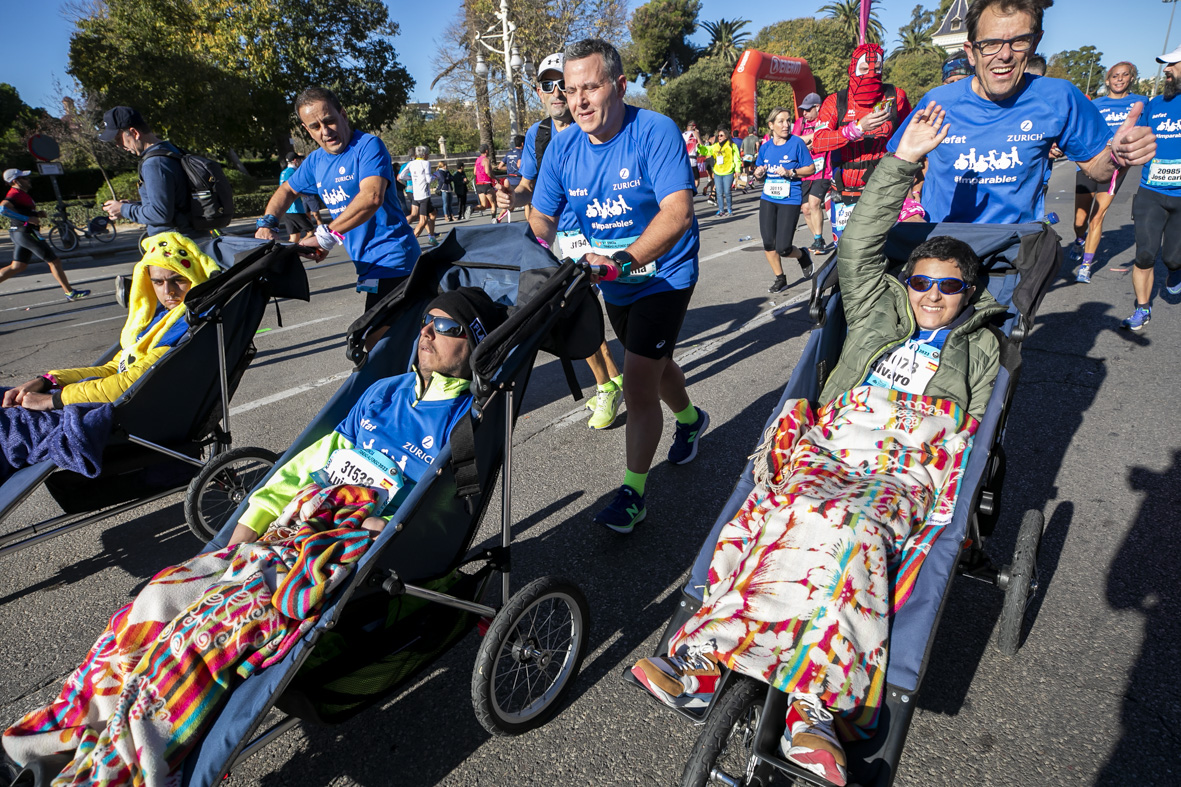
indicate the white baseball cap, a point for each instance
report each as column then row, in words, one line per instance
column 554, row 62
column 1171, row 57
column 10, row 175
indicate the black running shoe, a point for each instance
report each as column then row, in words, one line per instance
column 806, row 263
column 779, row 285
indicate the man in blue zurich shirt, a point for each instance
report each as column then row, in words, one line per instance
column 625, row 175
column 1156, row 208
column 352, row 173
column 163, row 204
column 990, row 168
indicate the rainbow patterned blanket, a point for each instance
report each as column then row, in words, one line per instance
column 155, row 678
column 846, row 504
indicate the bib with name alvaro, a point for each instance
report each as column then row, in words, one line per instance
column 991, row 167
column 615, row 189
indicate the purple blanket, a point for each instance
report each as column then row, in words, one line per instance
column 73, row 438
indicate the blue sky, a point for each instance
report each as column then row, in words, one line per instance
column 39, row 54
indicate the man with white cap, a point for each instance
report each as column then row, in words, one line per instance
column 551, row 90
column 814, row 186
column 22, row 214
column 1156, row 208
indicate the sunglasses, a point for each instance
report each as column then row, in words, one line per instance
column 444, row 326
column 548, row 85
column 947, row 286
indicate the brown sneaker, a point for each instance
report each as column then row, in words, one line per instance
column 810, row 739
column 687, row 680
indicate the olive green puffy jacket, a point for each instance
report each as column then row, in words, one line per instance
column 878, row 311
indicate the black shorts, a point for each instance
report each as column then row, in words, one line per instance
column 384, row 288
column 425, row 207
column 29, row 244
column 814, row 188
column 649, row 326
column 297, row 223
column 483, row 188
column 1083, row 184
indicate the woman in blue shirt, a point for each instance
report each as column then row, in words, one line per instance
column 782, row 160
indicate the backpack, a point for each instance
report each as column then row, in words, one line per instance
column 211, row 197
column 545, row 130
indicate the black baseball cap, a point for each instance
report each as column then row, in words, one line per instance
column 118, row 119
column 292, row 156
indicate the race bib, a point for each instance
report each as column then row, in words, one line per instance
column 362, row 467
column 367, row 285
column 907, row 368
column 1164, row 173
column 818, row 162
column 839, row 215
column 573, row 244
column 777, row 188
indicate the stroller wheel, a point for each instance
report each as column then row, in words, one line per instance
column 223, row 483
column 1019, row 582
column 530, row 655
column 724, row 753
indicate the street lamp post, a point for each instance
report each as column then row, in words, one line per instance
column 512, row 58
column 1168, row 32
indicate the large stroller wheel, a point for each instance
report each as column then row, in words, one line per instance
column 1019, row 581
column 530, row 655
column 724, row 753
column 223, row 483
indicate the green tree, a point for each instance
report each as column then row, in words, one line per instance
column 915, row 72
column 660, row 49
column 221, row 74
column 915, row 36
column 1082, row 66
column 727, row 38
column 702, row 93
column 819, row 41
column 17, row 121
column 847, row 14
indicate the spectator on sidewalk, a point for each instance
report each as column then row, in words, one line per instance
column 163, row 204
column 418, row 174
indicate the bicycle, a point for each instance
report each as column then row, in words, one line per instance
column 64, row 235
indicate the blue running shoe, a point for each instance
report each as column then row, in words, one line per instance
column 622, row 514
column 1084, row 273
column 77, row 295
column 1139, row 319
column 1173, row 283
column 685, row 441
column 1076, row 250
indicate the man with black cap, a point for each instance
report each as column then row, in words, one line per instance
column 297, row 219
column 163, row 189
column 394, row 432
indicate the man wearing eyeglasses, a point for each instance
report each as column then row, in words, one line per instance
column 625, row 176
column 1004, row 123
column 570, row 242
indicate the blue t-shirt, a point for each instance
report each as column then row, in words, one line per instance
column 512, row 167
column 389, row 418
column 567, row 222
column 1115, row 110
column 284, row 176
column 383, row 247
column 991, row 167
column 615, row 189
column 792, row 154
column 1163, row 173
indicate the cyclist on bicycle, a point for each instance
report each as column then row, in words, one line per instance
column 22, row 214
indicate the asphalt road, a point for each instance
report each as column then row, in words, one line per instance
column 1091, row 698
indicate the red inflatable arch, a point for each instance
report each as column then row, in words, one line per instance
column 755, row 65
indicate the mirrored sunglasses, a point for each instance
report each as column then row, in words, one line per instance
column 548, row 85
column 444, row 326
column 947, row 286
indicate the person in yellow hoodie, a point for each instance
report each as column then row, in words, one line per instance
column 171, row 265
column 727, row 161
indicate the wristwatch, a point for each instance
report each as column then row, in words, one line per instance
column 625, row 262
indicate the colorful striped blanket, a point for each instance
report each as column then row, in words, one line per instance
column 155, row 678
column 846, row 504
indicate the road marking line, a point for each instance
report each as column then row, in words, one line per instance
column 104, row 319
column 729, row 251
column 281, row 395
column 273, row 331
column 55, row 302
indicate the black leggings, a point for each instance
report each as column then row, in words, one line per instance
column 777, row 225
column 1157, row 219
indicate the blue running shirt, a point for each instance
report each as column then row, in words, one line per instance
column 615, row 189
column 1115, row 110
column 991, row 168
column 1163, row 173
column 567, row 222
column 383, row 247
column 284, row 176
column 792, row 154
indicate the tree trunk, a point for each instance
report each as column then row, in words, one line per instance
column 232, row 155
column 484, row 112
column 522, row 109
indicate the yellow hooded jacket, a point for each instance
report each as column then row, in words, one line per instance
column 167, row 250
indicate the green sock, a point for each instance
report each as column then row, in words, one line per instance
column 618, row 380
column 687, row 416
column 636, row 481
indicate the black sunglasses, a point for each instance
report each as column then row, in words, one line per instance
column 947, row 286
column 548, row 85
column 444, row 326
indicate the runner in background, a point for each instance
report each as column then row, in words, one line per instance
column 692, row 140
column 296, row 219
column 814, row 187
column 22, row 214
column 1092, row 198
column 782, row 160
column 957, row 66
column 750, row 149
column 483, row 172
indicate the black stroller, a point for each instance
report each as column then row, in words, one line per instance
column 148, row 457
column 739, row 743
column 422, row 586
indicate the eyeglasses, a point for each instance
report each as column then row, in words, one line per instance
column 548, row 85
column 991, row 46
column 444, row 326
column 947, row 286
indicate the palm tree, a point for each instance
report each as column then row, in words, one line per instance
column 727, row 39
column 917, row 42
column 847, row 13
